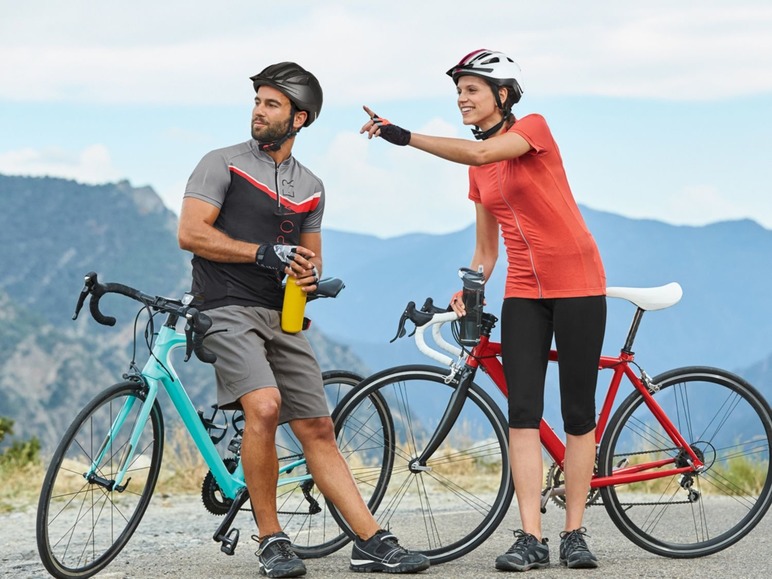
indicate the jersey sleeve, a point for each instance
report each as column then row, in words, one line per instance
column 210, row 179
column 534, row 129
column 313, row 221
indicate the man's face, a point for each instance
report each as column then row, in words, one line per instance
column 271, row 115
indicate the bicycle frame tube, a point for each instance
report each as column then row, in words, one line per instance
column 487, row 354
column 167, row 341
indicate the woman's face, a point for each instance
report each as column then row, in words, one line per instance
column 476, row 102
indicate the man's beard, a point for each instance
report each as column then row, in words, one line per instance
column 270, row 133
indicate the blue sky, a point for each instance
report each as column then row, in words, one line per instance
column 661, row 109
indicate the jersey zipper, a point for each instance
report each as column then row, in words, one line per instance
column 276, row 184
column 520, row 230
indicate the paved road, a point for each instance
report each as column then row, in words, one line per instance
column 174, row 541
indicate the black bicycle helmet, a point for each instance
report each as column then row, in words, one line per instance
column 296, row 83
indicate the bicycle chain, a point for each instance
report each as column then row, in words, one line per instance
column 215, row 503
column 648, row 503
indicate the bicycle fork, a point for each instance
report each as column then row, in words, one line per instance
column 127, row 457
column 455, row 404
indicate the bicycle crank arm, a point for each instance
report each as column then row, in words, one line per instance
column 228, row 537
column 549, row 493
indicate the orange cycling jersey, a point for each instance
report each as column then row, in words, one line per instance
column 550, row 251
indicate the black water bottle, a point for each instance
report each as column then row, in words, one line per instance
column 473, row 296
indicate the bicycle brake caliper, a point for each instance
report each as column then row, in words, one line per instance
column 647, row 381
column 454, row 369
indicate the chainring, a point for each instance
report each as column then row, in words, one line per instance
column 556, row 479
column 211, row 494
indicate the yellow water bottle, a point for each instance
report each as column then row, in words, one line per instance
column 294, row 307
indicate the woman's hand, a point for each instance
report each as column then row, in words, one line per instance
column 457, row 303
column 370, row 127
column 380, row 127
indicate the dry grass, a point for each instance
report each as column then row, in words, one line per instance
column 746, row 477
column 183, row 469
column 20, row 486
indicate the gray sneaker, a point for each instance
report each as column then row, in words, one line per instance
column 277, row 559
column 382, row 552
column 526, row 553
column 574, row 552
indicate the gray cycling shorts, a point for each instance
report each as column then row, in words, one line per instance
column 253, row 352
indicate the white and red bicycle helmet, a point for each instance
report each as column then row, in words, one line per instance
column 495, row 67
column 498, row 70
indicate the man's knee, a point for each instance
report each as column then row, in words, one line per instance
column 261, row 407
column 314, row 430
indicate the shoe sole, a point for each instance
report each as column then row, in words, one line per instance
column 375, row 567
column 299, row 572
column 507, row 566
column 581, row 564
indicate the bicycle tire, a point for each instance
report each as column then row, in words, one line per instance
column 319, row 534
column 81, row 526
column 444, row 509
column 730, row 424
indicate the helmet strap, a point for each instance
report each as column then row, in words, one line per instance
column 482, row 135
column 505, row 114
column 291, row 132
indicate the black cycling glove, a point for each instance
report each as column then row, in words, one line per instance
column 392, row 133
column 275, row 256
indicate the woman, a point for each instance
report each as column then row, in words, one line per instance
column 555, row 286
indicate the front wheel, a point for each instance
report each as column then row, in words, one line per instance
column 727, row 423
column 84, row 522
column 448, row 505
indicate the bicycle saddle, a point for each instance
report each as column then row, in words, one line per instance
column 649, row 298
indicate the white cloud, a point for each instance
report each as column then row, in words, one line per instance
column 177, row 53
column 91, row 165
column 374, row 187
column 147, row 53
column 702, row 204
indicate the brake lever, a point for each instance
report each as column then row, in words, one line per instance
column 404, row 318
column 188, row 339
column 88, row 284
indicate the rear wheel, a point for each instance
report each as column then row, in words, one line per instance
column 83, row 521
column 303, row 512
column 727, row 423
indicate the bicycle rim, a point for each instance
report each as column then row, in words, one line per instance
column 82, row 526
column 448, row 506
column 303, row 513
column 728, row 423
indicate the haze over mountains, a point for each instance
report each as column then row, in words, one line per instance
column 53, row 231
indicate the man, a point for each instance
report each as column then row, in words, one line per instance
column 252, row 213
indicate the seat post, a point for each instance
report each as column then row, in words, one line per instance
column 628, row 347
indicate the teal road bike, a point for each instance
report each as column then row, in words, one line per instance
column 103, row 473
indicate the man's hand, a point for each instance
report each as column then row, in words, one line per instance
column 380, row 127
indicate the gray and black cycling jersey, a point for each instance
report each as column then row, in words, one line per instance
column 259, row 202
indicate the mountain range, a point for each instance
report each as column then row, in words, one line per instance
column 53, row 231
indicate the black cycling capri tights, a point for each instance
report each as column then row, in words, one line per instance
column 527, row 328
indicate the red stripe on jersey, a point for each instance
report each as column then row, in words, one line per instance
column 305, row 206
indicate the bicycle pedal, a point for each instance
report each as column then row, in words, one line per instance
column 229, row 542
